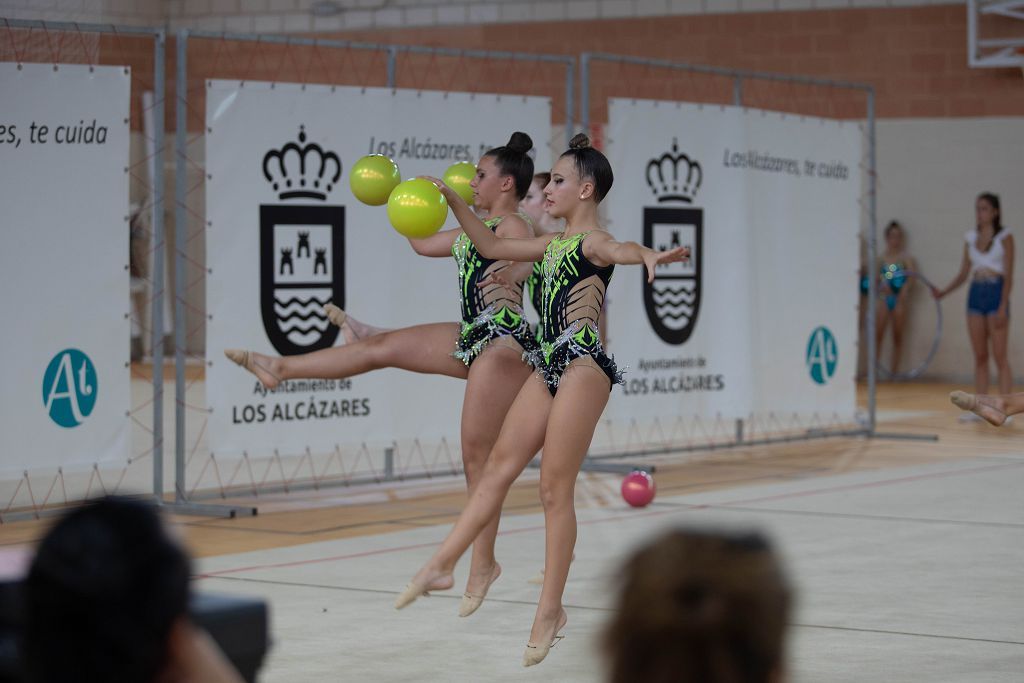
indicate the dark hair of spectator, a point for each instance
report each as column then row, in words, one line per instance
column 700, row 607
column 105, row 588
column 993, row 201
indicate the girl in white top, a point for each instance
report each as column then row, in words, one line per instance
column 988, row 261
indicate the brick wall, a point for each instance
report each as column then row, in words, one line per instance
column 286, row 16
column 916, row 57
column 122, row 12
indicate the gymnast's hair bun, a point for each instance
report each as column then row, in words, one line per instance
column 520, row 142
column 579, row 141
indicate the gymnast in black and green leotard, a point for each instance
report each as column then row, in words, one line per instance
column 573, row 291
column 561, row 412
column 486, row 348
column 492, row 313
column 534, row 287
column 532, row 205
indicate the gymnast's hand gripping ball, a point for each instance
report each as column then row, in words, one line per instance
column 638, row 488
column 416, row 208
column 458, row 176
column 373, row 178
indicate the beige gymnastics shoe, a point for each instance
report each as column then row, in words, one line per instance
column 535, row 654
column 982, row 406
column 255, row 363
column 471, row 603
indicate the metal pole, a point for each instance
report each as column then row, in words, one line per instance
column 737, row 91
column 159, row 256
column 76, row 27
column 219, row 510
column 726, row 72
column 180, row 243
column 972, row 33
column 392, row 65
column 767, row 441
column 570, row 88
column 478, row 54
column 285, row 39
column 181, row 503
column 871, row 266
column 585, row 92
column 609, row 468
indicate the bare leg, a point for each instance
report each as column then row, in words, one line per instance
column 881, row 322
column 899, row 321
column 353, row 329
column 992, row 408
column 577, row 407
column 861, row 331
column 998, row 331
column 979, row 344
column 423, row 348
column 538, row 579
column 1011, row 404
column 521, row 437
column 495, row 379
column 1004, row 404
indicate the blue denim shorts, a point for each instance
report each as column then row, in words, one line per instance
column 984, row 296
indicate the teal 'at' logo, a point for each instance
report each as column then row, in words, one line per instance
column 69, row 388
column 822, row 355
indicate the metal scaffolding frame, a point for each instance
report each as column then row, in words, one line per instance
column 994, row 53
column 185, row 504
column 393, row 53
column 739, row 77
column 159, row 234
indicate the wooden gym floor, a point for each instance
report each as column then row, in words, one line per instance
column 306, row 517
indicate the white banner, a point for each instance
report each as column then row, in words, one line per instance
column 764, row 318
column 64, row 191
column 278, row 201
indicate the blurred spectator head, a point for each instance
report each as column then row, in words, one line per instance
column 106, row 588
column 700, row 607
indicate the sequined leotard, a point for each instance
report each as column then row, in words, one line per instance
column 573, row 293
column 535, row 290
column 894, row 275
column 490, row 313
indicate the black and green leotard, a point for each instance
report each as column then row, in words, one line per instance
column 488, row 313
column 535, row 290
column 573, row 293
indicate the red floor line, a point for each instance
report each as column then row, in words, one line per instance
column 647, row 513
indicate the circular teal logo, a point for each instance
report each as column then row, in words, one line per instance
column 822, row 355
column 69, row 388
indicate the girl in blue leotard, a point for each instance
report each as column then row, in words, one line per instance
column 894, row 289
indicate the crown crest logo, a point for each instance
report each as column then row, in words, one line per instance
column 674, row 176
column 301, row 170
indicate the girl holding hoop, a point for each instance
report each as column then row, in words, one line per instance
column 988, row 261
column 560, row 410
column 487, row 348
column 894, row 290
